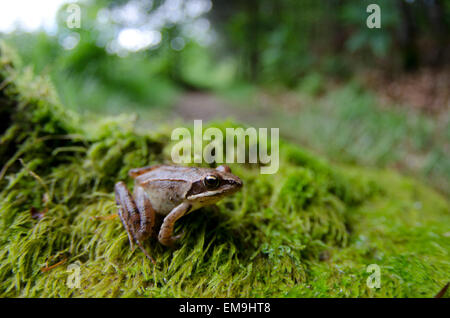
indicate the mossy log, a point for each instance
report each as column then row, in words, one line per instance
column 311, row 230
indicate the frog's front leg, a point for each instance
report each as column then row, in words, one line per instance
column 165, row 235
column 137, row 214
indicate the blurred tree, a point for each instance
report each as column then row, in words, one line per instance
column 282, row 40
column 189, row 44
column 408, row 36
column 440, row 28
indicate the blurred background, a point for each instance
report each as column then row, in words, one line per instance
column 375, row 97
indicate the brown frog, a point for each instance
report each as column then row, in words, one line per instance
column 164, row 193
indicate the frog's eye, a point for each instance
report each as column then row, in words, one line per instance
column 211, row 181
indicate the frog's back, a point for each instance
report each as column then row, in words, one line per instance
column 166, row 186
column 168, row 172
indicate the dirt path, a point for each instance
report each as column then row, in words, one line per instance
column 208, row 106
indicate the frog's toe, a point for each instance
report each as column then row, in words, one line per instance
column 178, row 237
column 171, row 241
column 145, row 252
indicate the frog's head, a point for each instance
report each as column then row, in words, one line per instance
column 213, row 185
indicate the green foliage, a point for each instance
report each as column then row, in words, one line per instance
column 309, row 230
column 379, row 42
column 89, row 79
column 258, row 41
column 197, row 68
column 348, row 125
column 312, row 83
column 280, row 41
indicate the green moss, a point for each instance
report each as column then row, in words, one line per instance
column 310, row 230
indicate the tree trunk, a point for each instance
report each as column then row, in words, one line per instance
column 408, row 35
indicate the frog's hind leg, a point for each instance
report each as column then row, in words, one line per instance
column 137, row 215
column 126, row 209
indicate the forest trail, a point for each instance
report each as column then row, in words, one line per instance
column 204, row 106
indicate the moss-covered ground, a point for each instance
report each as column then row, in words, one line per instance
column 310, row 230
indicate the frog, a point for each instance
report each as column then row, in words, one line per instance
column 163, row 193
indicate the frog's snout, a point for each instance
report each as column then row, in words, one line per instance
column 239, row 182
column 236, row 183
